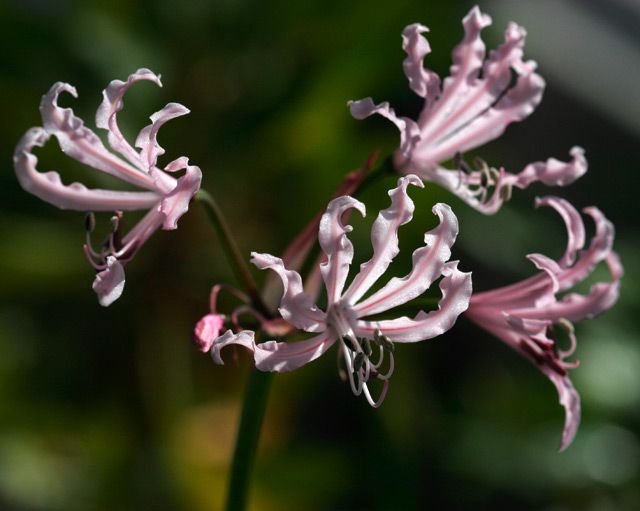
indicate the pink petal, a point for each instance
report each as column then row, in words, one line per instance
column 272, row 355
column 599, row 250
column 332, row 235
column 570, row 401
column 112, row 103
column 384, row 238
column 109, row 283
column 456, row 292
column 573, row 223
column 296, row 307
column 81, row 143
column 409, row 131
column 517, row 104
column 467, row 60
column 552, row 172
column 207, row 330
column 48, row 185
column 423, row 82
column 428, row 265
column 147, row 138
column 176, row 203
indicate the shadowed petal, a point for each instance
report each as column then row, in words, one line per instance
column 384, row 238
column 332, row 235
column 272, row 355
column 109, row 283
column 456, row 292
column 176, row 203
column 296, row 307
column 428, row 264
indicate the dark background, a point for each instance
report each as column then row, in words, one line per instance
column 114, row 408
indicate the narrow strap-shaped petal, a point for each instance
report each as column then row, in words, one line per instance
column 428, row 265
column 552, row 172
column 296, row 307
column 599, row 250
column 517, row 104
column 147, row 139
column 49, row 187
column 467, row 59
column 176, row 203
column 574, row 224
column 384, row 238
column 409, row 131
column 82, row 144
column 332, row 235
column 109, row 283
column 112, row 103
column 424, row 82
column 570, row 401
column 456, row 292
column 272, row 355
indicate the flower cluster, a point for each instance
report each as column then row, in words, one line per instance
column 472, row 106
column 165, row 197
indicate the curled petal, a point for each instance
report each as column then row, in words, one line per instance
column 456, row 292
column 112, row 103
column 423, row 82
column 409, row 130
column 570, row 401
column 296, row 307
column 109, row 283
column 552, row 172
column 574, row 224
column 81, row 143
column 49, row 187
column 207, row 330
column 272, row 355
column 467, row 62
column 428, row 265
column 332, row 236
column 599, row 250
column 147, row 139
column 384, row 238
column 176, row 203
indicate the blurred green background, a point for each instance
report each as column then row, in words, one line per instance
column 104, row 409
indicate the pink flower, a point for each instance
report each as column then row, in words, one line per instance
column 344, row 321
column 473, row 106
column 165, row 197
column 523, row 314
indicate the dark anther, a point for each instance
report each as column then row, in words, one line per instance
column 350, row 344
column 358, row 362
column 90, row 222
column 366, row 347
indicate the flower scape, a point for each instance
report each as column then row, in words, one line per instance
column 472, row 106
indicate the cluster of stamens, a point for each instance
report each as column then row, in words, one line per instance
column 546, row 352
column 112, row 246
column 482, row 177
column 357, row 354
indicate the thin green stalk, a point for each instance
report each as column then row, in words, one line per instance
column 244, row 455
column 232, row 251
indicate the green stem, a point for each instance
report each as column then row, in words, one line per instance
column 232, row 251
column 244, row 455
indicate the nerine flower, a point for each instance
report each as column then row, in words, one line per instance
column 349, row 319
column 523, row 314
column 473, row 106
column 165, row 197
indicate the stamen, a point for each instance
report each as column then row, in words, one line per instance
column 90, row 222
column 383, row 394
column 92, row 256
